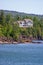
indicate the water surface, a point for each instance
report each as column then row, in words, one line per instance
column 21, row 54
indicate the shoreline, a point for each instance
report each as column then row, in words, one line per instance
column 1, row 42
column 33, row 42
column 14, row 42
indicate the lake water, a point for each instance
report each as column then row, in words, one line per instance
column 21, row 54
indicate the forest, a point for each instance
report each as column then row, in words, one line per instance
column 10, row 30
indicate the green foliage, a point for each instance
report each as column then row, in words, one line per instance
column 10, row 28
column 2, row 18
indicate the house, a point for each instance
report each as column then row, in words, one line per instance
column 25, row 23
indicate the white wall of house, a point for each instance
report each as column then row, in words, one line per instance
column 21, row 23
column 30, row 24
column 26, row 23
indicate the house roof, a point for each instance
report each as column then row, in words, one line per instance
column 20, row 21
column 28, row 20
column 25, row 20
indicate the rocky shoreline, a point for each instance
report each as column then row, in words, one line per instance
column 10, row 40
column 5, row 40
column 14, row 42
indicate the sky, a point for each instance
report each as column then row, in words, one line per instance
column 26, row 6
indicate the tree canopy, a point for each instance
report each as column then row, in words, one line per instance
column 9, row 29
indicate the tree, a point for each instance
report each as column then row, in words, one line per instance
column 2, row 18
column 8, row 18
column 17, row 17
